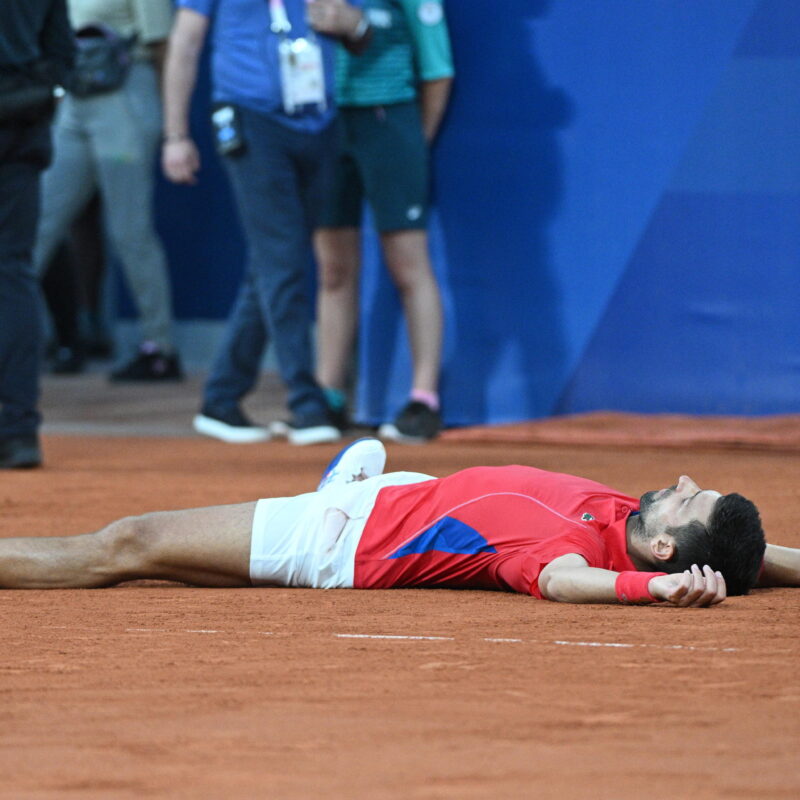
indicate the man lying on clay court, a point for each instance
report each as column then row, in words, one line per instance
column 513, row 528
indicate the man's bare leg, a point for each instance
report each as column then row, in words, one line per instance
column 201, row 546
column 408, row 261
column 338, row 252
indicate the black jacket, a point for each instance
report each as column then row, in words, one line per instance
column 32, row 31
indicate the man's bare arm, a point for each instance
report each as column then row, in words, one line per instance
column 342, row 21
column 179, row 158
column 781, row 567
column 569, row 579
column 433, row 103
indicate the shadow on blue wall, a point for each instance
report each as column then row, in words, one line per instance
column 489, row 240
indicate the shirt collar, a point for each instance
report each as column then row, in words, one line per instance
column 616, row 538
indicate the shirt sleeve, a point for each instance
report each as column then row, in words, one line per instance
column 204, row 7
column 522, row 571
column 431, row 39
column 153, row 19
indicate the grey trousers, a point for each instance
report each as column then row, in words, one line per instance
column 109, row 142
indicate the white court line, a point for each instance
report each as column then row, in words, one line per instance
column 594, row 644
column 654, row 646
column 385, row 636
column 502, row 640
column 418, row 638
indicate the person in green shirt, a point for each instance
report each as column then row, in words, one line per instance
column 391, row 99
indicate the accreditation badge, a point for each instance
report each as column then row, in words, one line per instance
column 302, row 74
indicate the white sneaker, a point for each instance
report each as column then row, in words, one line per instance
column 319, row 432
column 236, row 429
column 313, row 434
column 361, row 459
column 278, row 428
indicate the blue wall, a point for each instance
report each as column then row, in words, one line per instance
column 617, row 223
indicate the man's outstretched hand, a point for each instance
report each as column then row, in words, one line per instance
column 692, row 588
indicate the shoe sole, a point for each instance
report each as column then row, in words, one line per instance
column 389, row 431
column 22, row 463
column 27, row 458
column 228, row 433
column 279, row 429
column 365, row 456
column 318, row 434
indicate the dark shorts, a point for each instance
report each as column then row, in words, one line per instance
column 383, row 157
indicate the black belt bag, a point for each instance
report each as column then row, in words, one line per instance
column 102, row 61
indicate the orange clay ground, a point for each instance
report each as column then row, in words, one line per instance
column 158, row 690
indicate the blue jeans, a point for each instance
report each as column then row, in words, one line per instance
column 278, row 182
column 24, row 152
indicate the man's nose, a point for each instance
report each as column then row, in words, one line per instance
column 687, row 485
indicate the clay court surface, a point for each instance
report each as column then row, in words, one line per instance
column 159, row 690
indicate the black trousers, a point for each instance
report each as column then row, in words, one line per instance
column 25, row 150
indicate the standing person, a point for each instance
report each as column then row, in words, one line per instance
column 72, row 288
column 391, row 100
column 36, row 50
column 516, row 529
column 272, row 88
column 108, row 141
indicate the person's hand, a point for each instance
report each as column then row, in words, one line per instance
column 333, row 17
column 694, row 587
column 180, row 161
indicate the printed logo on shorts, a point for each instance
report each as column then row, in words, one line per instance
column 587, row 517
column 414, row 213
column 430, row 12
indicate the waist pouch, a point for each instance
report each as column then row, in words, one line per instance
column 102, row 62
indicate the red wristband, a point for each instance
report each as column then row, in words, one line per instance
column 632, row 587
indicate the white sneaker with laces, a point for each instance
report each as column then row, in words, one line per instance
column 361, row 459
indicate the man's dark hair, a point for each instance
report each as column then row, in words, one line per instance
column 733, row 543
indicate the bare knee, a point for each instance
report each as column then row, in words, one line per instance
column 338, row 255
column 407, row 259
column 129, row 547
column 337, row 274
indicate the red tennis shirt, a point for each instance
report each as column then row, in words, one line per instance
column 490, row 528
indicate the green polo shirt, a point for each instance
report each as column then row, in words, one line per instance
column 409, row 44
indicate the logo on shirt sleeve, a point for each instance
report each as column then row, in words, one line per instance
column 448, row 535
column 379, row 17
column 587, row 517
column 430, row 12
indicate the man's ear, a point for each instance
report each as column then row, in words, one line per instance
column 662, row 547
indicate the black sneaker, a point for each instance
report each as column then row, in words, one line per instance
column 340, row 418
column 415, row 424
column 314, row 429
column 20, row 452
column 232, row 427
column 151, row 364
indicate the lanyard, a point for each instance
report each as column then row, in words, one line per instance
column 280, row 20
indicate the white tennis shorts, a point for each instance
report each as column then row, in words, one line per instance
column 311, row 539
